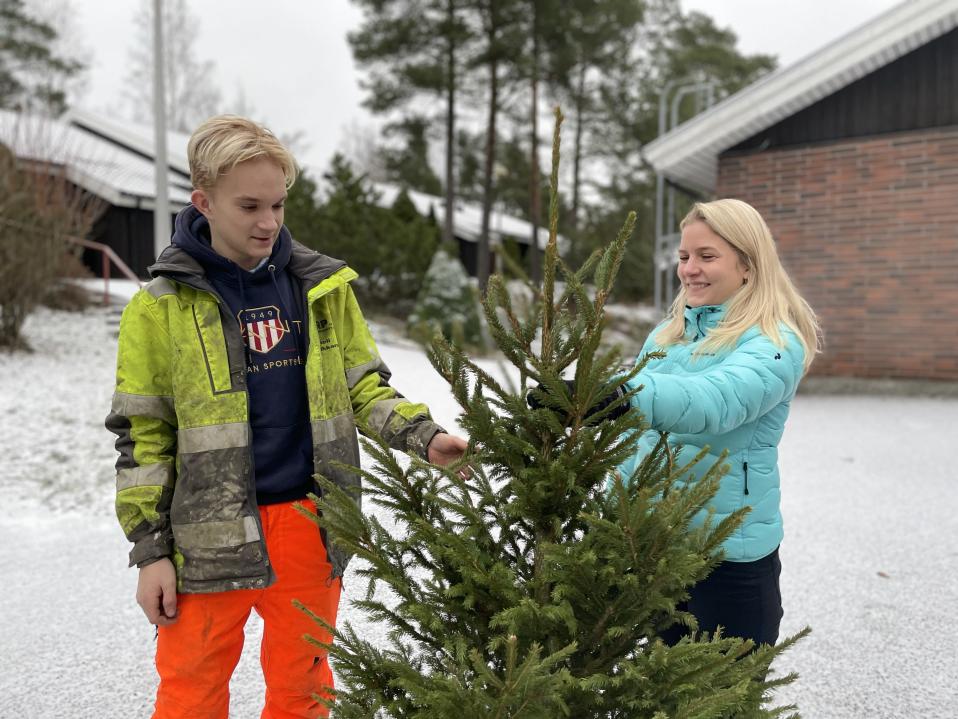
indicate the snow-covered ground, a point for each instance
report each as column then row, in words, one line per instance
column 870, row 556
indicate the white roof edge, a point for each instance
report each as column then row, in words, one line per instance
column 135, row 137
column 689, row 152
column 117, row 197
column 106, row 168
column 97, row 187
column 466, row 215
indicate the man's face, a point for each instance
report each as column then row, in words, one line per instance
column 245, row 210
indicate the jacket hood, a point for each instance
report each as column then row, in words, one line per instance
column 192, row 234
column 190, row 257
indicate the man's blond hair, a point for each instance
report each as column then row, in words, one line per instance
column 224, row 141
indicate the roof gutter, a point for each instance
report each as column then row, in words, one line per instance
column 688, row 155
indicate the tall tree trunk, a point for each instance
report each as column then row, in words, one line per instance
column 535, row 199
column 482, row 261
column 447, row 226
column 483, row 264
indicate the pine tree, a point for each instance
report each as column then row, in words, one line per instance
column 390, row 247
column 414, row 50
column 31, row 72
column 408, row 165
column 536, row 585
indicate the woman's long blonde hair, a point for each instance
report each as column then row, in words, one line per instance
column 768, row 299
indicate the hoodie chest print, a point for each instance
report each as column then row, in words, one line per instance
column 263, row 328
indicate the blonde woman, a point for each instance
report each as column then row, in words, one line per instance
column 738, row 340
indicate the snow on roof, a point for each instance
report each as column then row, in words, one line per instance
column 467, row 218
column 134, row 136
column 688, row 155
column 107, row 160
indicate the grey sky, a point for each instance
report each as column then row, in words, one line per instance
column 290, row 61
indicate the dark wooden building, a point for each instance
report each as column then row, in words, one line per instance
column 114, row 162
column 851, row 155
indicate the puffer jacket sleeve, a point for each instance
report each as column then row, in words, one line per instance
column 144, row 420
column 649, row 345
column 752, row 379
column 379, row 408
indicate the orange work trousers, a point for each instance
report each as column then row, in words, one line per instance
column 196, row 655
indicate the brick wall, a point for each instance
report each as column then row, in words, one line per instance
column 868, row 230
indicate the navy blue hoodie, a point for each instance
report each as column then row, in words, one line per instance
column 268, row 304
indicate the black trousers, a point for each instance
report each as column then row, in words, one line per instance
column 741, row 597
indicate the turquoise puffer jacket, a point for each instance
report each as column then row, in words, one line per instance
column 736, row 400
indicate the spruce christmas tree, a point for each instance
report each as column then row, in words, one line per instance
column 535, row 586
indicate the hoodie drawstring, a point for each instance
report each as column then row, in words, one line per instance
column 289, row 318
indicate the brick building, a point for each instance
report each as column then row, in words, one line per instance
column 851, row 155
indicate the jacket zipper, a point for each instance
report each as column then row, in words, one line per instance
column 251, row 482
column 745, row 468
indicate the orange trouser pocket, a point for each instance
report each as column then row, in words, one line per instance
column 196, row 656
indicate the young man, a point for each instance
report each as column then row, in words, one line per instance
column 244, row 367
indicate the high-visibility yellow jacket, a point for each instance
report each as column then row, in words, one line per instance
column 185, row 486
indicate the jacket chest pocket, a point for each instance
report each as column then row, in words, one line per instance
column 212, row 346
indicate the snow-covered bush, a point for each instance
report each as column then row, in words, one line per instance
column 447, row 303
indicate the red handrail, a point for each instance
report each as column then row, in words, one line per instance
column 107, row 254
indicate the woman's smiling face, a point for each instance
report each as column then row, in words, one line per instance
column 710, row 269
